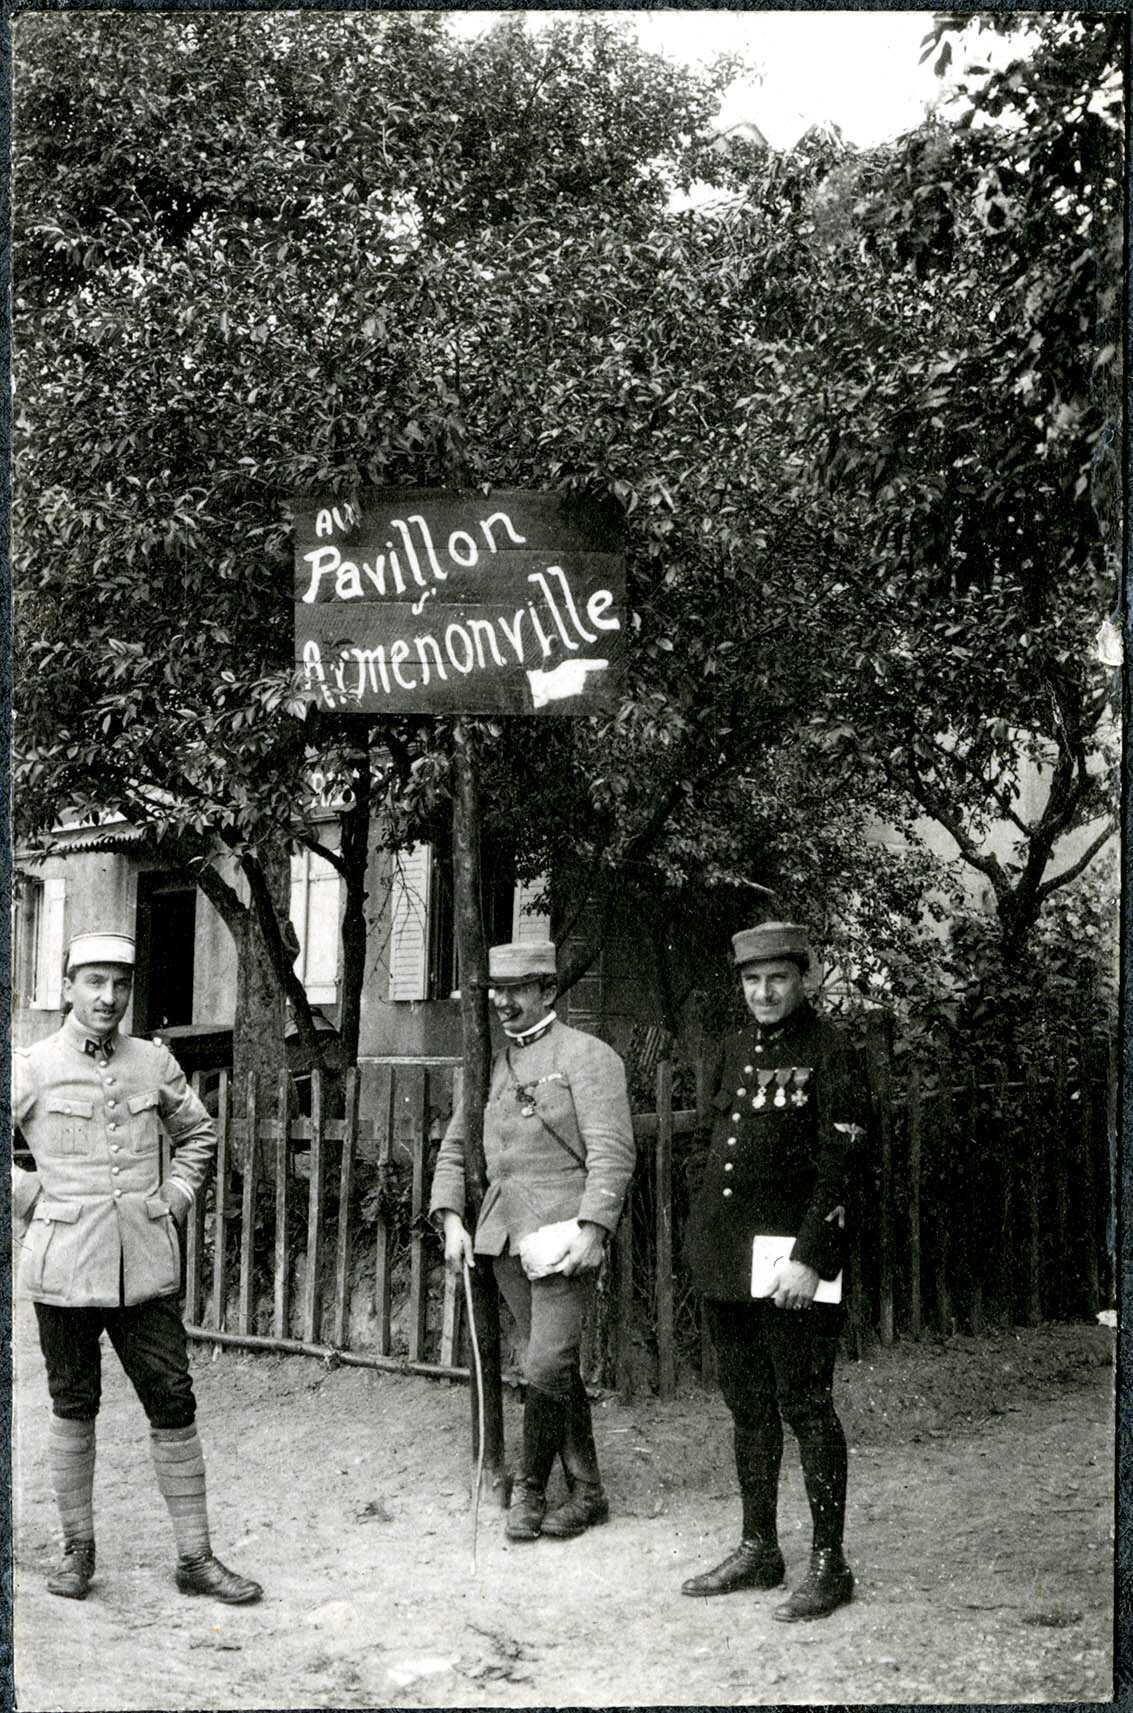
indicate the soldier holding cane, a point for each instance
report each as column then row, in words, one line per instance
column 558, row 1144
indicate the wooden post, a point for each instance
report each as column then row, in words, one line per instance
column 1031, row 1155
column 663, row 1205
column 341, row 1314
column 623, row 1290
column 1004, row 1248
column 975, row 1244
column 383, row 1126
column 1106, row 1173
column 194, row 1245
column 914, row 1217
column 312, row 1283
column 880, row 1055
column 246, row 1299
column 946, row 1202
column 466, row 866
column 1088, row 1200
column 1057, row 1161
column 281, row 1305
column 451, row 1319
column 220, row 1216
column 411, row 1119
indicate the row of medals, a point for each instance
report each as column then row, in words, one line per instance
column 782, row 1076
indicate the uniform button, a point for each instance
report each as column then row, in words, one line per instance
column 115, row 1170
column 729, row 1165
column 748, row 1069
column 727, row 1192
column 741, row 1092
column 735, row 1118
column 731, row 1141
column 112, row 1104
column 119, row 1192
column 114, row 1149
column 112, row 1125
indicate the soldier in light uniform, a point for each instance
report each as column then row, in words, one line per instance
column 790, row 1103
column 558, row 1144
column 101, row 1252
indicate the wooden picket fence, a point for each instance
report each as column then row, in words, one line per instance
column 984, row 1201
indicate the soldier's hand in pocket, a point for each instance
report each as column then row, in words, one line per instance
column 176, row 1199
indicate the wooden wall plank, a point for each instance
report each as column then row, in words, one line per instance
column 381, row 1116
column 341, row 1313
column 251, row 1155
column 913, row 1219
column 451, row 1318
column 1031, row 1178
column 623, row 1296
column 220, row 1215
column 194, row 1244
column 410, row 1124
column 281, row 1299
column 663, row 1156
column 879, row 1050
column 316, row 1212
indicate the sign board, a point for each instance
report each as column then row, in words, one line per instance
column 430, row 600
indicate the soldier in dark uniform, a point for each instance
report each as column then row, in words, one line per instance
column 559, row 1151
column 789, row 1103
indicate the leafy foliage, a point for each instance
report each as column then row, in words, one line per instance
column 847, row 411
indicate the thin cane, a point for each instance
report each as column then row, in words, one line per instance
column 479, row 1402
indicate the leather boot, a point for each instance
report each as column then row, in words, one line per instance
column 587, row 1503
column 205, row 1574
column 754, row 1564
column 828, row 1584
column 75, row 1571
column 543, row 1426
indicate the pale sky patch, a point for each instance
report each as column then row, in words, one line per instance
column 857, row 70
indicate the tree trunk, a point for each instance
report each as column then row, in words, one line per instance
column 355, row 856
column 259, row 1046
column 258, row 1024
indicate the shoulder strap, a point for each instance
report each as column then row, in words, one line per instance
column 579, row 1159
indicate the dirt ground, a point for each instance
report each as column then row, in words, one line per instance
column 980, row 1529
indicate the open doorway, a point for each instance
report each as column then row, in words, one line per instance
column 166, row 945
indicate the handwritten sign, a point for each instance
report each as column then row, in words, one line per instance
column 437, row 601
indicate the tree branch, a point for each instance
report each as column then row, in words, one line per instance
column 1067, row 875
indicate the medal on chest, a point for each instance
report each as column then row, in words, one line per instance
column 783, row 1086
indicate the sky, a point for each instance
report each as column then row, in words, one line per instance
column 857, row 69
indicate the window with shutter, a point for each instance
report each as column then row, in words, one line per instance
column 527, row 923
column 409, row 924
column 315, row 910
column 48, row 944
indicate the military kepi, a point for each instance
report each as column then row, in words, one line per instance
column 770, row 940
column 100, row 949
column 520, row 961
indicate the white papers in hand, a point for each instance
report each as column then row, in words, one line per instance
column 541, row 1251
column 768, row 1254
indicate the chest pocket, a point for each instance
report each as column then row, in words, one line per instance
column 144, row 1135
column 70, row 1125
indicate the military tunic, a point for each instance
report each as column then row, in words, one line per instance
column 558, row 1140
column 788, row 1103
column 100, row 1231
